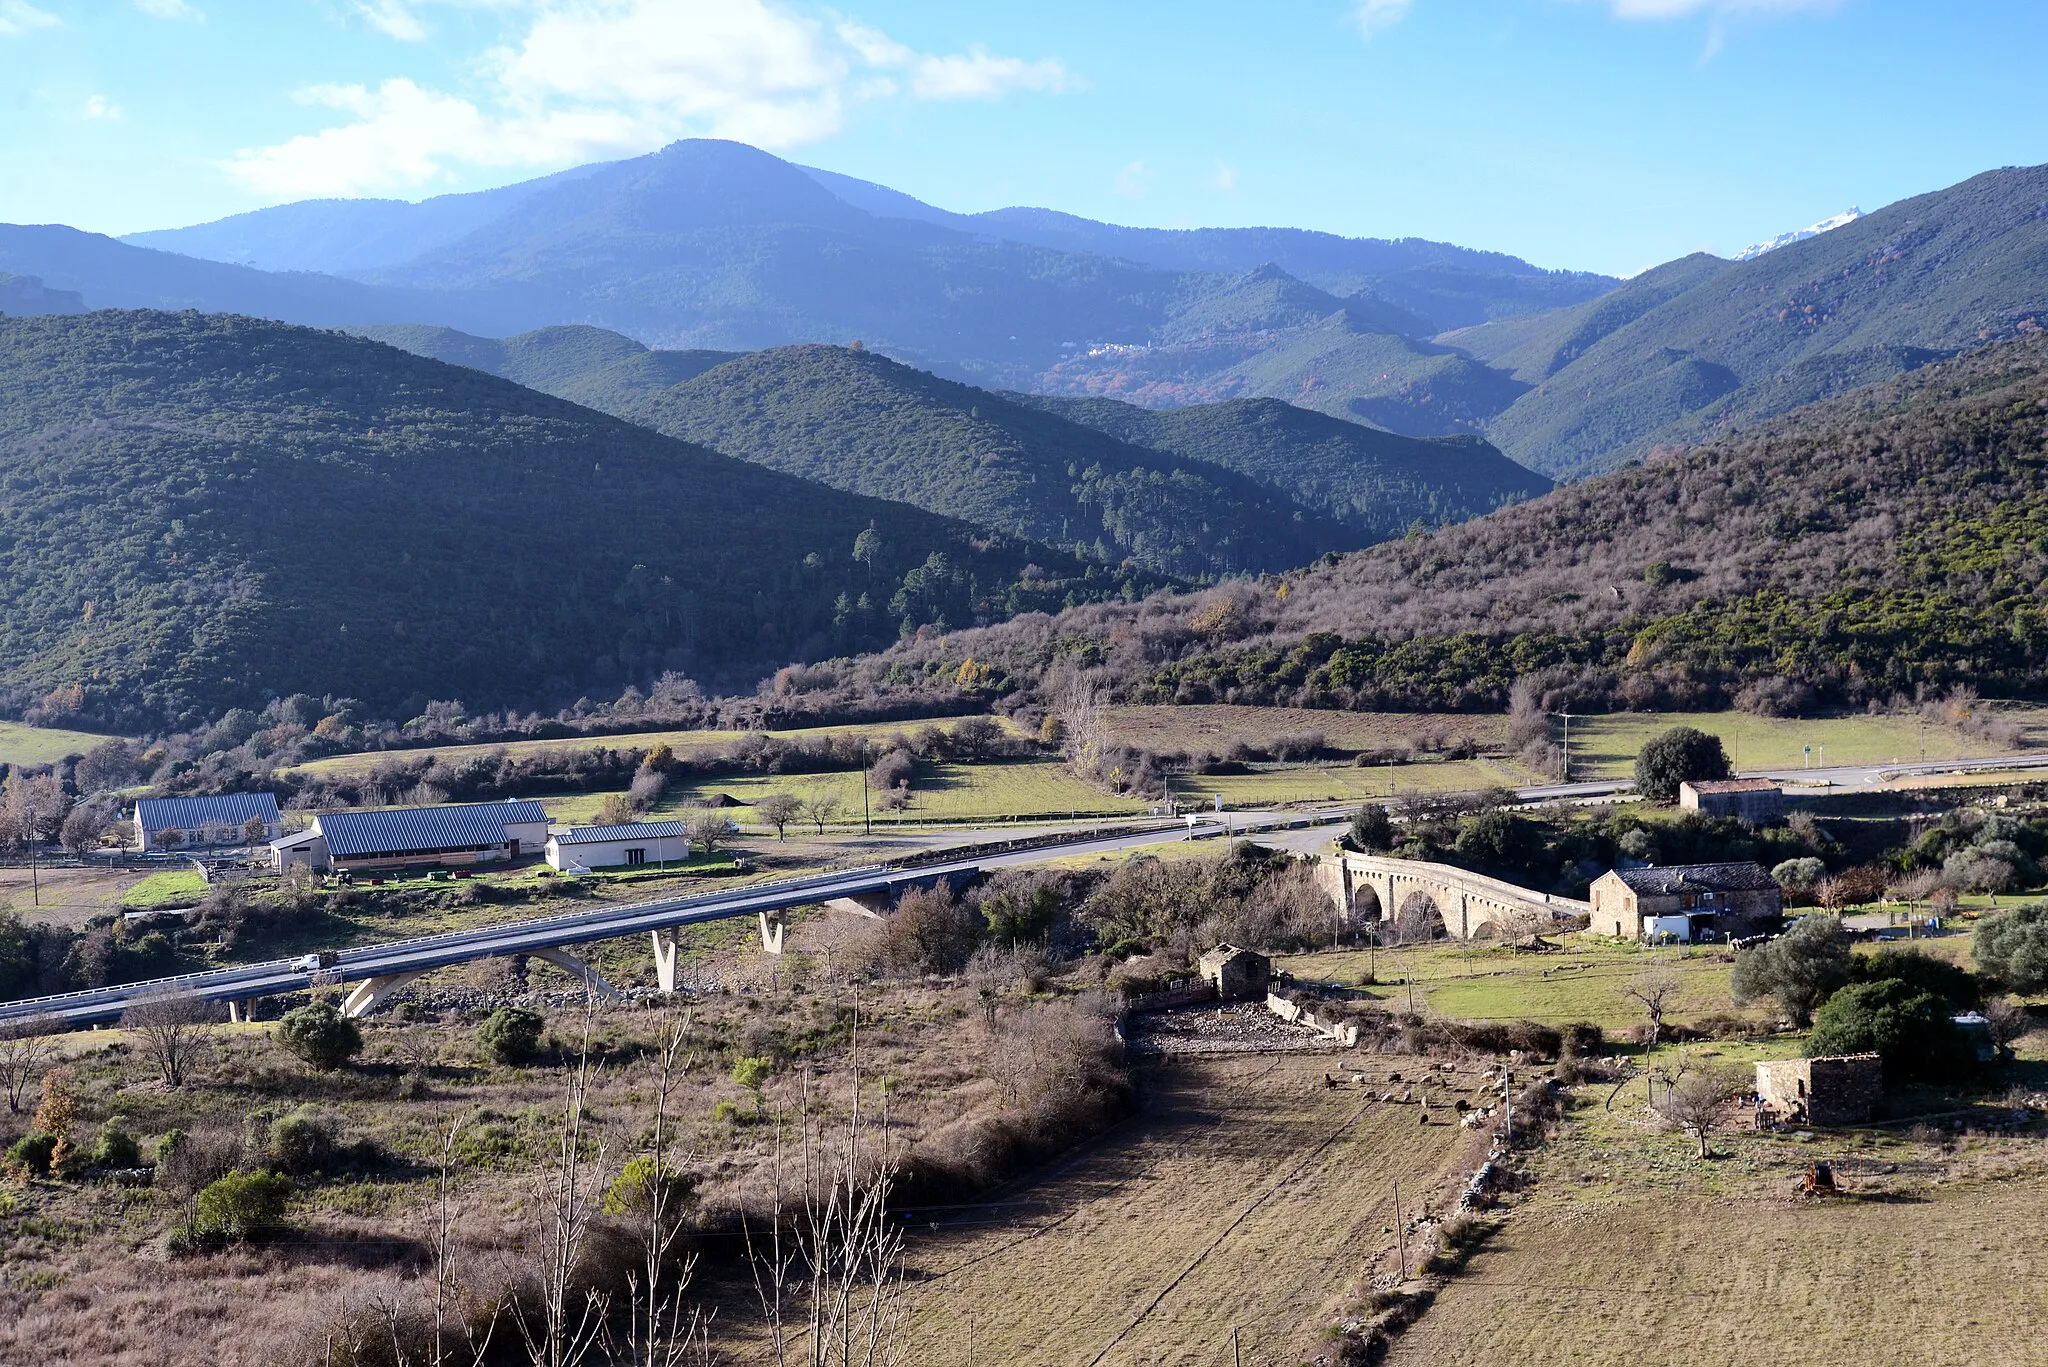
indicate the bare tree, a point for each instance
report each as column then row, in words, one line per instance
column 662, row 1331
column 566, row 1190
column 778, row 810
column 710, row 830
column 820, row 806
column 830, row 1277
column 477, row 1344
column 24, row 1047
column 171, row 1028
column 1656, row 991
column 1696, row 1099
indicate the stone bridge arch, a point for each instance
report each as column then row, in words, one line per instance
column 1467, row 905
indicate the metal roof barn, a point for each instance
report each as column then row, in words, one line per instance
column 422, row 830
column 200, row 813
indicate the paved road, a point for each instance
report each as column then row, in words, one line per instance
column 245, row 982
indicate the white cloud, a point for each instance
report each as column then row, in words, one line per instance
column 1226, row 177
column 168, row 9
column 1374, row 16
column 1680, row 9
column 98, row 107
column 1134, row 180
column 18, row 18
column 393, row 19
column 590, row 78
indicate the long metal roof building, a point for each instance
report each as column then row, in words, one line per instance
column 423, row 830
column 639, row 830
column 201, row 813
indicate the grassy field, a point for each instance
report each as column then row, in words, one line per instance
column 1606, row 746
column 1277, row 784
column 1585, row 980
column 1247, row 1196
column 42, row 744
column 943, row 792
column 1214, row 726
column 179, row 887
column 681, row 742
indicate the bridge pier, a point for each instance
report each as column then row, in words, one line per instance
column 772, row 926
column 576, row 968
column 664, row 959
column 242, row 1012
column 371, row 993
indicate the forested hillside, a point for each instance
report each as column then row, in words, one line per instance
column 862, row 422
column 595, row 367
column 1888, row 540
column 204, row 511
column 1346, row 470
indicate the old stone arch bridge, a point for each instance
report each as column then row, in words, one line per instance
column 1424, row 901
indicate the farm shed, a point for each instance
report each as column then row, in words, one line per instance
column 180, row 822
column 305, row 850
column 1692, row 902
column 1237, row 973
column 609, row 847
column 468, row 833
column 1756, row 801
column 1837, row 1089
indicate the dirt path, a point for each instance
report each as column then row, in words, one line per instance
column 65, row 897
column 1247, row 1197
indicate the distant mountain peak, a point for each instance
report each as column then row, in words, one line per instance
column 1826, row 225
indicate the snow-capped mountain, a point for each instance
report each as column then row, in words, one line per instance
column 1787, row 239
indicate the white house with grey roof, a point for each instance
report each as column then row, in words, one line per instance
column 165, row 823
column 581, row 848
column 402, row 837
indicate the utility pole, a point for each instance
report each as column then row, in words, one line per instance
column 34, row 873
column 1567, row 715
column 866, row 818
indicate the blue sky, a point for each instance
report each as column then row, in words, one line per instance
column 1595, row 134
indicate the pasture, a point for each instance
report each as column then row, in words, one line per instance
column 32, row 745
column 1606, row 746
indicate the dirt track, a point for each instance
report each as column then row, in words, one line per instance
column 1248, row 1196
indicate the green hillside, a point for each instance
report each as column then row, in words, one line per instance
column 1699, row 345
column 205, row 511
column 1863, row 550
column 1344, row 470
column 592, row 366
column 861, row 422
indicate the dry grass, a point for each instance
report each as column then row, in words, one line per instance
column 1248, row 1196
column 68, row 897
column 1214, row 726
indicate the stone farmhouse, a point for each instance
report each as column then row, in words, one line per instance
column 1691, row 903
column 1236, row 973
column 1841, row 1089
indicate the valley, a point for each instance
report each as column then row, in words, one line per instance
column 621, row 750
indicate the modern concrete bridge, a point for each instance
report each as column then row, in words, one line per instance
column 377, row 971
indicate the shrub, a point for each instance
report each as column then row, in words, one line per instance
column 1800, row 968
column 31, row 1155
column 241, row 1204
column 511, row 1036
column 1953, row 983
column 302, row 1142
column 633, row 1190
column 114, row 1147
column 1907, row 1025
column 1372, row 830
column 320, row 1035
column 1681, row 755
column 2013, row 947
